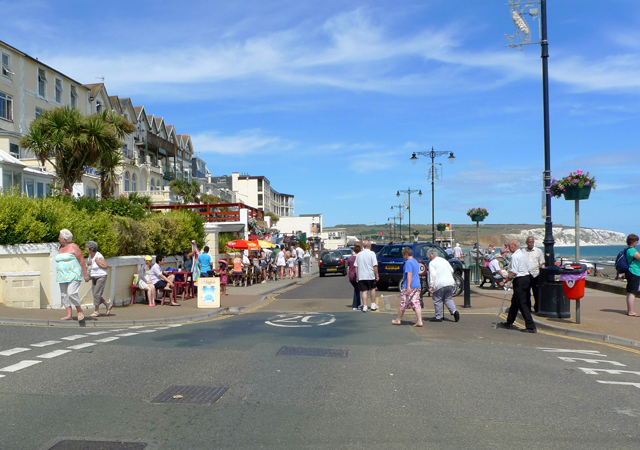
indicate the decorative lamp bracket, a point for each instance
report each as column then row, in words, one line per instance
column 522, row 35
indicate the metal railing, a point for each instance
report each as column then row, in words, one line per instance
column 218, row 212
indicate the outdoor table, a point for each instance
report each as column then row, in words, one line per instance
column 183, row 279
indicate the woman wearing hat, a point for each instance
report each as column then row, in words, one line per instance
column 143, row 280
column 221, row 271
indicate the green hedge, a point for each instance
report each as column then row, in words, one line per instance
column 26, row 220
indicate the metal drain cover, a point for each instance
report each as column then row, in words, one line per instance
column 87, row 444
column 202, row 395
column 323, row 352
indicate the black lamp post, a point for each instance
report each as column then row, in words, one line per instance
column 399, row 208
column 432, row 176
column 409, row 191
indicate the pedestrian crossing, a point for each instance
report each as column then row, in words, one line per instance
column 7, row 354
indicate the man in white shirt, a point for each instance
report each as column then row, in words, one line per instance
column 519, row 273
column 367, row 275
column 536, row 261
column 299, row 256
column 457, row 252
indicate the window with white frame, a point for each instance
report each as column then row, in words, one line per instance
column 58, row 90
column 14, row 150
column 126, row 181
column 39, row 112
column 11, row 179
column 98, row 107
column 42, row 83
column 259, row 199
column 152, row 185
column 6, row 66
column 92, row 192
column 74, row 96
column 134, row 183
column 40, row 190
column 29, row 186
column 6, row 106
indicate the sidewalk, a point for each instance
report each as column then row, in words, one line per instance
column 142, row 314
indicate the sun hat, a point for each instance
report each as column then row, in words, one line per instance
column 222, row 261
column 148, row 258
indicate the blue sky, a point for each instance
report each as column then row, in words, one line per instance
column 328, row 99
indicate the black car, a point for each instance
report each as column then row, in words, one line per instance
column 391, row 263
column 332, row 262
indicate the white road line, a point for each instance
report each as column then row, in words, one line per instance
column 175, row 326
column 163, row 328
column 98, row 333
column 79, row 346
column 591, row 361
column 74, row 337
column 137, row 326
column 21, row 365
column 566, row 350
column 45, row 343
column 13, row 351
column 612, row 382
column 126, row 334
column 147, row 331
column 108, row 339
column 2, row 376
column 54, row 354
column 590, row 371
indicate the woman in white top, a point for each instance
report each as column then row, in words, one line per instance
column 98, row 267
column 281, row 262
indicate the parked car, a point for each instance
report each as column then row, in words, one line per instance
column 375, row 248
column 391, row 263
column 346, row 252
column 332, row 262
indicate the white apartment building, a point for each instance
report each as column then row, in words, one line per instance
column 334, row 238
column 256, row 191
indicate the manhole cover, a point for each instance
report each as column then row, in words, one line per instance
column 324, row 352
column 84, row 444
column 201, row 395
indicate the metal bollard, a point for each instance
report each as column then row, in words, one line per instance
column 467, row 287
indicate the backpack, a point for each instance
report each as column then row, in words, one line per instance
column 622, row 265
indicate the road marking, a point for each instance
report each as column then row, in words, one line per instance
column 13, row 351
column 591, row 361
column 566, row 350
column 126, row 334
column 624, row 383
column 163, row 328
column 2, row 376
column 97, row 333
column 175, row 325
column 45, row 343
column 74, row 337
column 21, row 365
column 147, row 331
column 108, row 339
column 54, row 354
column 80, row 346
column 301, row 320
column 138, row 326
column 590, row 371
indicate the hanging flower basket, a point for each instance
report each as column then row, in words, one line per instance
column 441, row 226
column 577, row 193
column 477, row 214
column 575, row 186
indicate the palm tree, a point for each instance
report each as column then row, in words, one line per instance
column 111, row 159
column 188, row 191
column 71, row 142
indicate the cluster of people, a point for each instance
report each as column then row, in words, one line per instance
column 363, row 276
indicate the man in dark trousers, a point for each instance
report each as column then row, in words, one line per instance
column 519, row 273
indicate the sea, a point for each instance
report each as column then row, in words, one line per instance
column 588, row 252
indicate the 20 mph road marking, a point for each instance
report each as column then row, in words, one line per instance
column 590, row 371
column 21, row 365
column 13, row 351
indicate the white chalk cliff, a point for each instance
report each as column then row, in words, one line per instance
column 566, row 236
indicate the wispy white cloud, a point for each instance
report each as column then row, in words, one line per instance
column 246, row 142
column 612, row 158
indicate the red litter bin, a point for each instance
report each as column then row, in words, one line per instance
column 573, row 280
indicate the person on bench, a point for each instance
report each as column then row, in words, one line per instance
column 161, row 280
column 496, row 271
column 144, row 282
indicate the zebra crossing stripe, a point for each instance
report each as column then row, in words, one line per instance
column 80, row 346
column 21, row 365
column 54, row 353
column 13, row 351
column 74, row 337
column 45, row 343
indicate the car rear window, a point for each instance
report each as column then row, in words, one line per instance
column 392, row 251
column 331, row 256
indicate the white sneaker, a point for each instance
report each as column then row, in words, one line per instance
column 355, row 309
column 263, row 281
column 374, row 307
column 364, row 308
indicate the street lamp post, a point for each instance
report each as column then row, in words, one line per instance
column 399, row 208
column 433, row 175
column 394, row 226
column 409, row 192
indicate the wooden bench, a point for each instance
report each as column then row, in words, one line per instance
column 488, row 276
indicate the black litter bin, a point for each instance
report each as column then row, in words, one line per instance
column 553, row 303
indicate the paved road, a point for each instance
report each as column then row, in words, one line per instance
column 447, row 385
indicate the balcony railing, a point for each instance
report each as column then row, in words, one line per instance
column 220, row 212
